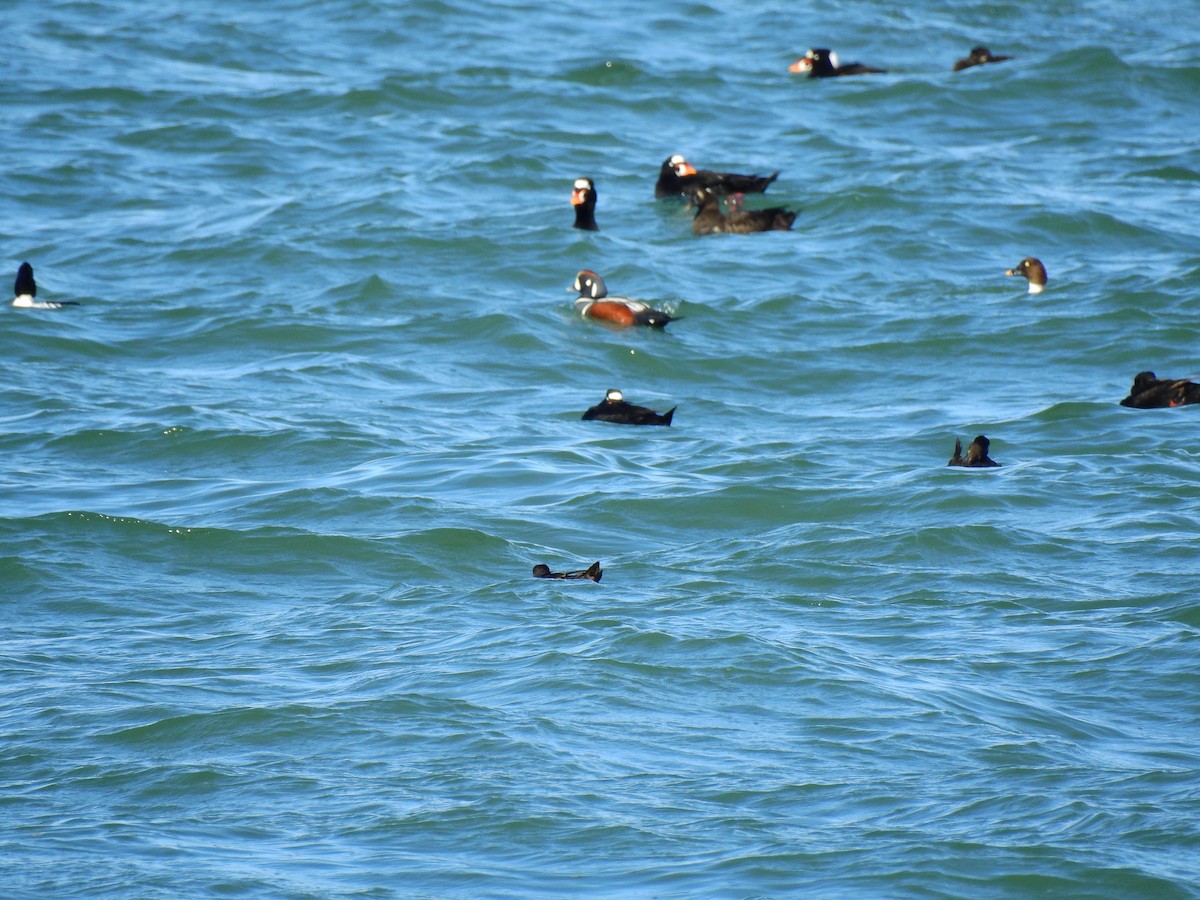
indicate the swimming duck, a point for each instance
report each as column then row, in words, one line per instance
column 710, row 219
column 1033, row 270
column 615, row 409
column 593, row 302
column 592, row 572
column 977, row 454
column 678, row 176
column 977, row 57
column 821, row 62
column 583, row 198
column 1151, row 392
column 25, row 292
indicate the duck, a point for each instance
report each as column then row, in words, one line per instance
column 593, row 302
column 583, row 198
column 678, row 177
column 710, row 219
column 977, row 455
column 977, row 57
column 821, row 62
column 592, row 572
column 25, row 292
column 1151, row 392
column 1033, row 270
column 614, row 408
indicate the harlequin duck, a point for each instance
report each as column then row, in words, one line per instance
column 583, row 198
column 710, row 219
column 592, row 572
column 593, row 302
column 1151, row 392
column 821, row 62
column 977, row 57
column 977, row 454
column 25, row 292
column 1033, row 270
column 678, row 177
column 615, row 409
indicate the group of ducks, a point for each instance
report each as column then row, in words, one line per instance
column 821, row 62
column 717, row 198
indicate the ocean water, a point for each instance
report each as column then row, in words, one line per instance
column 273, row 492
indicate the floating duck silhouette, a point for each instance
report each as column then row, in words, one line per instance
column 710, row 219
column 977, row 454
column 614, row 409
column 592, row 572
column 25, row 292
column 1033, row 270
column 593, row 302
column 977, row 57
column 583, row 198
column 1151, row 392
column 677, row 176
column 821, row 62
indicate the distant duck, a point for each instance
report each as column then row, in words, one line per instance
column 710, row 219
column 821, row 62
column 592, row 572
column 593, row 302
column 1151, row 392
column 25, row 292
column 977, row 57
column 678, row 177
column 977, row 455
column 1033, row 270
column 583, row 198
column 615, row 409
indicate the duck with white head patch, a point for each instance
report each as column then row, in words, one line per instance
column 821, row 62
column 614, row 408
column 679, row 178
column 583, row 198
column 594, row 302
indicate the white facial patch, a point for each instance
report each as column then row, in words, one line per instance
column 582, row 184
column 613, row 396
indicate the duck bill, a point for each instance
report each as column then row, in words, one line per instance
column 804, row 64
column 577, row 196
column 685, row 169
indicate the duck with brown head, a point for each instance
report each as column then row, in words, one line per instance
column 591, row 573
column 1033, row 271
column 1152, row 392
column 711, row 219
column 977, row 455
column 978, row 57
